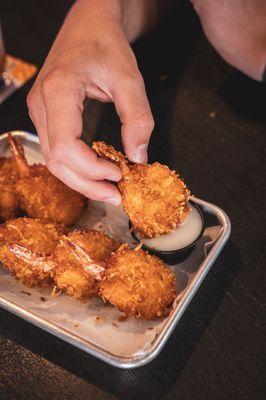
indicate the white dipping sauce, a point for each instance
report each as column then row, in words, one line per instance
column 181, row 237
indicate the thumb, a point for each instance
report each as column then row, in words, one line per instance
column 134, row 111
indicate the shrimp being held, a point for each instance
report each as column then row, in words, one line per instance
column 41, row 194
column 153, row 196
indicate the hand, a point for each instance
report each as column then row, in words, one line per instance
column 91, row 57
column 237, row 30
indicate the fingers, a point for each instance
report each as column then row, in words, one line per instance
column 63, row 105
column 133, row 108
column 57, row 117
column 96, row 190
column 38, row 117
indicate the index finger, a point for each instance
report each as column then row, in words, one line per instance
column 133, row 108
column 63, row 105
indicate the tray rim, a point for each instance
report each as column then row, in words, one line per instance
column 127, row 362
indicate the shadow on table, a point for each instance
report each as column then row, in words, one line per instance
column 156, row 379
column 246, row 97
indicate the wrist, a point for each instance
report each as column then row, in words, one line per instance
column 98, row 9
column 135, row 17
column 128, row 14
column 138, row 17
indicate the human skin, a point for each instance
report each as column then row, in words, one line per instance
column 237, row 30
column 92, row 58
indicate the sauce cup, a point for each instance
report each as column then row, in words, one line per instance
column 194, row 223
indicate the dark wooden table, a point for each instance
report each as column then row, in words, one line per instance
column 210, row 125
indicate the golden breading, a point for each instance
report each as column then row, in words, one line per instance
column 153, row 196
column 25, row 247
column 50, row 200
column 138, row 284
column 41, row 194
column 80, row 261
column 9, row 201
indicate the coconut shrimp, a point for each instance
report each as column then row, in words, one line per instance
column 9, row 201
column 41, row 194
column 26, row 246
column 153, row 196
column 138, row 284
column 80, row 262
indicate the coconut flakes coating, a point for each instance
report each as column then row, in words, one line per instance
column 26, row 246
column 9, row 200
column 153, row 196
column 80, row 260
column 41, row 194
column 138, row 284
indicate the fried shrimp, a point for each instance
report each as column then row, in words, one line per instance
column 26, row 246
column 138, row 284
column 80, row 261
column 41, row 194
column 9, row 201
column 153, row 196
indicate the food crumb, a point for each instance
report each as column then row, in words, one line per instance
column 43, row 299
column 150, row 328
column 114, row 324
column 27, row 293
column 76, row 325
column 99, row 319
column 212, row 114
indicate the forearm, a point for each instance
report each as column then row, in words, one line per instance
column 237, row 29
column 140, row 16
column 136, row 17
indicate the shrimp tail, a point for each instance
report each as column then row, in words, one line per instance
column 96, row 269
column 30, row 258
column 109, row 153
column 18, row 156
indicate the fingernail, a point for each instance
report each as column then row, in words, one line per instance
column 115, row 178
column 140, row 156
column 115, row 201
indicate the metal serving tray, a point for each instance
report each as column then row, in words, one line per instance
column 131, row 343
